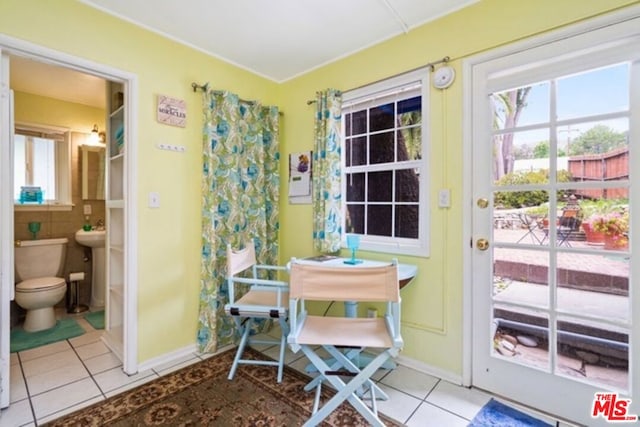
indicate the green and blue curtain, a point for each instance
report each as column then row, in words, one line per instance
column 240, row 190
column 327, row 192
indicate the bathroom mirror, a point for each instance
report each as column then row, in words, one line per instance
column 92, row 172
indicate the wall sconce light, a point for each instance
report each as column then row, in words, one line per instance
column 94, row 137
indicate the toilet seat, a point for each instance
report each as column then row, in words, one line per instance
column 40, row 284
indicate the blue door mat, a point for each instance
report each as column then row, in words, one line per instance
column 64, row 329
column 95, row 319
column 497, row 414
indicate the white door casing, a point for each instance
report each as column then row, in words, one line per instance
column 6, row 225
column 13, row 46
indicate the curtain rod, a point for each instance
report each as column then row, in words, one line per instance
column 205, row 88
column 430, row 65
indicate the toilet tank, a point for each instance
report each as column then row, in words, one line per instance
column 39, row 258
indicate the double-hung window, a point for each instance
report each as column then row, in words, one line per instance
column 42, row 159
column 385, row 157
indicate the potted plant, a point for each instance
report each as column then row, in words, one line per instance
column 615, row 226
column 592, row 229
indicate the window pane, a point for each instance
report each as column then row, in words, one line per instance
column 382, row 117
column 356, row 151
column 522, row 106
column 522, row 157
column 594, row 138
column 521, row 217
column 381, row 148
column 356, row 123
column 410, row 111
column 44, row 166
column 410, row 144
column 355, row 187
column 595, row 92
column 379, row 220
column 20, row 170
column 355, row 219
column 407, row 185
column 407, row 221
column 380, row 187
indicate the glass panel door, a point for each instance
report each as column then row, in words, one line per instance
column 553, row 278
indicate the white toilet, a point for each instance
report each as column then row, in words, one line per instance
column 38, row 267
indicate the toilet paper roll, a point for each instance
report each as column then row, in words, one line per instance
column 76, row 277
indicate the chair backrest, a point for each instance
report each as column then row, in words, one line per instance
column 570, row 218
column 240, row 259
column 352, row 283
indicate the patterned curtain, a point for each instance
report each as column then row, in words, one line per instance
column 240, row 182
column 327, row 209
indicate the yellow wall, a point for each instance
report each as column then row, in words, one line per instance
column 168, row 258
column 40, row 110
column 432, row 303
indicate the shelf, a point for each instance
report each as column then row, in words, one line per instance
column 115, row 204
column 118, row 249
column 117, row 157
column 117, row 111
column 118, row 291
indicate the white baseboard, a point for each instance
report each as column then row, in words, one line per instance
column 167, row 358
column 430, row 370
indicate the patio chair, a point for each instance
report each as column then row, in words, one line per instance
column 265, row 299
column 531, row 224
column 568, row 222
column 333, row 334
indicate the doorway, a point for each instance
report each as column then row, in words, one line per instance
column 554, row 129
column 124, row 342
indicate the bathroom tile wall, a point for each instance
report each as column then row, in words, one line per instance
column 55, row 224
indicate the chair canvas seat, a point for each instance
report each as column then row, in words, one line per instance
column 344, row 332
column 262, row 298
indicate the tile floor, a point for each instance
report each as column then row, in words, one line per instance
column 56, row 379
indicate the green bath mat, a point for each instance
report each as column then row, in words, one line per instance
column 66, row 328
column 96, row 319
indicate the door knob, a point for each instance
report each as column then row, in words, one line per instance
column 482, row 244
column 482, row 203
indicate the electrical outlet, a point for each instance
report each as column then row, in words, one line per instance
column 87, row 209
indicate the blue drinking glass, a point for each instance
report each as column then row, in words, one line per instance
column 353, row 242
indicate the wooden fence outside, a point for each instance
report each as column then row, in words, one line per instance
column 610, row 166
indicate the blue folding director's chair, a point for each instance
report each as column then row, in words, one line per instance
column 265, row 299
column 310, row 333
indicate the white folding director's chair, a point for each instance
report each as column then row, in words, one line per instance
column 265, row 299
column 354, row 283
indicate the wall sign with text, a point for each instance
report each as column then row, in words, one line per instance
column 172, row 111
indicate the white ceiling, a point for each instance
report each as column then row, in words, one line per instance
column 277, row 39
column 30, row 76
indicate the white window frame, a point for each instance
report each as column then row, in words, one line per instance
column 380, row 91
column 62, row 136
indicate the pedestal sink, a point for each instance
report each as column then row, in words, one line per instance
column 94, row 239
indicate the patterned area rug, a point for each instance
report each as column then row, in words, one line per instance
column 497, row 414
column 201, row 395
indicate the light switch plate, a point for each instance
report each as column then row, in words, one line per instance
column 444, row 198
column 154, row 199
column 87, row 209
